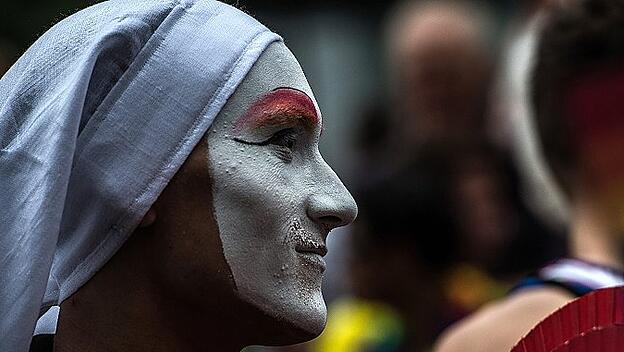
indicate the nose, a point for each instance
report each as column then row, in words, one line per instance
column 330, row 204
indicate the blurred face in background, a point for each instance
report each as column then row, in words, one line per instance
column 442, row 69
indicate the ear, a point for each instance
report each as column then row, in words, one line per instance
column 149, row 218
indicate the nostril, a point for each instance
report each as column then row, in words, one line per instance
column 332, row 206
column 331, row 221
column 332, row 212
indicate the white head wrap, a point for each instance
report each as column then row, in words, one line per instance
column 95, row 119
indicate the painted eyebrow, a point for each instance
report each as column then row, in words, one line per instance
column 281, row 106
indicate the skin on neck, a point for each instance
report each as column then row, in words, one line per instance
column 132, row 318
column 591, row 237
column 124, row 306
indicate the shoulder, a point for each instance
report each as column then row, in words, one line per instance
column 499, row 325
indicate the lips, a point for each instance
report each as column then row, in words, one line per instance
column 311, row 248
column 312, row 253
column 305, row 242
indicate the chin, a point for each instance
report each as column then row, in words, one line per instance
column 311, row 320
column 296, row 321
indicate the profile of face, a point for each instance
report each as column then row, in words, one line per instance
column 275, row 198
column 247, row 216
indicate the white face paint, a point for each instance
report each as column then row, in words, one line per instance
column 275, row 198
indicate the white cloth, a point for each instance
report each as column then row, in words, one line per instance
column 542, row 192
column 95, row 119
column 46, row 325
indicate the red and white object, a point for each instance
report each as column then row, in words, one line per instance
column 592, row 323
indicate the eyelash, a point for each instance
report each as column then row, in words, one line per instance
column 284, row 142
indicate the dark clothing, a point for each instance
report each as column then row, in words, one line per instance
column 42, row 343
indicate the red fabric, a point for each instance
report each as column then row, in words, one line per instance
column 592, row 323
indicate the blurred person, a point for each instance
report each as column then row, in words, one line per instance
column 440, row 57
column 578, row 102
column 373, row 159
column 433, row 242
column 498, row 239
column 403, row 243
column 162, row 187
column 511, row 122
column 498, row 234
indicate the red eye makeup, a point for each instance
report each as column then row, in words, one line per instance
column 282, row 106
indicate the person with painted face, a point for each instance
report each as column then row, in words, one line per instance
column 162, row 187
column 578, row 99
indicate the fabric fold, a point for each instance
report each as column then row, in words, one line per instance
column 95, row 119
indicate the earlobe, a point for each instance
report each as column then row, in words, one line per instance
column 149, row 218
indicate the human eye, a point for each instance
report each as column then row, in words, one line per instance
column 285, row 138
column 283, row 142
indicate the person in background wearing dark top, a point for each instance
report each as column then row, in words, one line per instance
column 578, row 96
column 498, row 234
column 452, row 210
column 402, row 244
column 498, row 239
column 441, row 57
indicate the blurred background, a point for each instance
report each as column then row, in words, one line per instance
column 427, row 122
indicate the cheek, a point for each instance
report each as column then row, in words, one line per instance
column 260, row 209
column 254, row 200
column 249, row 177
column 190, row 261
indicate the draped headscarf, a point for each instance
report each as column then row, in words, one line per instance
column 95, row 119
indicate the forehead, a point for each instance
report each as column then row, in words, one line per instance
column 276, row 68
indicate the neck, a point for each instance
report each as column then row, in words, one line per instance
column 592, row 239
column 113, row 313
